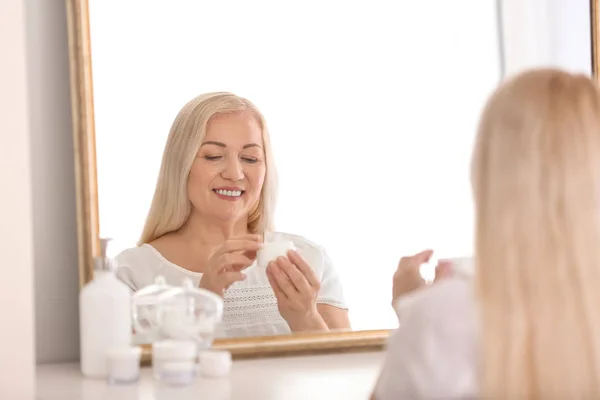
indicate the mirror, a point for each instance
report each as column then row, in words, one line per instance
column 371, row 109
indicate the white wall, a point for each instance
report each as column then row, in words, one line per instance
column 546, row 33
column 16, row 235
column 54, row 223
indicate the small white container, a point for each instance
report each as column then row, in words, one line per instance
column 271, row 250
column 214, row 363
column 123, row 365
column 174, row 361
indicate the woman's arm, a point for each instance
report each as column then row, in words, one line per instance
column 334, row 317
column 331, row 302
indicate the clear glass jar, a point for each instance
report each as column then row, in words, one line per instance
column 189, row 313
column 145, row 304
column 174, row 361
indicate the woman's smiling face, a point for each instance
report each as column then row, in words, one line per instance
column 227, row 176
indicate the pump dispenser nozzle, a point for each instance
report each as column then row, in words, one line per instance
column 102, row 262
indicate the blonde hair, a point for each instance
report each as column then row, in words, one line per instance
column 170, row 206
column 536, row 186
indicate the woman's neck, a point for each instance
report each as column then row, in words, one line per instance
column 200, row 231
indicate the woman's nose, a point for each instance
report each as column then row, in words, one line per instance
column 233, row 170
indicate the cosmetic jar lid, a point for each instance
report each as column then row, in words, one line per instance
column 124, row 353
column 214, row 363
column 174, row 349
column 269, row 251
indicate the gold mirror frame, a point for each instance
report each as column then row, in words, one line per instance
column 595, row 35
column 88, row 227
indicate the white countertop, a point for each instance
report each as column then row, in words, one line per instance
column 336, row 376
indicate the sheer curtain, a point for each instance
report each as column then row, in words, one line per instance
column 372, row 108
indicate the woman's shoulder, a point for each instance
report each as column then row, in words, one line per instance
column 139, row 266
column 137, row 255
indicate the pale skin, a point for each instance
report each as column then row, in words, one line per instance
column 215, row 239
column 407, row 277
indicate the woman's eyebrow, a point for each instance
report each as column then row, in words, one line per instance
column 247, row 146
column 215, row 143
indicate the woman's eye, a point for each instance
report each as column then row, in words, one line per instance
column 250, row 160
column 212, row 158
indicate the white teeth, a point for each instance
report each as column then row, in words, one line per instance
column 229, row 193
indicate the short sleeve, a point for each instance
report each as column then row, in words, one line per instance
column 125, row 275
column 432, row 353
column 133, row 267
column 331, row 292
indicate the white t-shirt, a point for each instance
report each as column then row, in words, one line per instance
column 250, row 306
column 433, row 353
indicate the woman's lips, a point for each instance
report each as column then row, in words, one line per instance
column 230, row 194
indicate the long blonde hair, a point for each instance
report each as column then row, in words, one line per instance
column 170, row 206
column 536, row 186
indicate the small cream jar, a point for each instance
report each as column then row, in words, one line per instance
column 214, row 363
column 123, row 365
column 270, row 251
column 174, row 361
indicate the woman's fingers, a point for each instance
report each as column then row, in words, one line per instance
column 303, row 266
column 229, row 278
column 294, row 274
column 283, row 282
column 412, row 265
column 407, row 277
column 233, row 262
column 416, row 260
column 279, row 293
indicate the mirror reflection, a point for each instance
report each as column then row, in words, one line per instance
column 284, row 157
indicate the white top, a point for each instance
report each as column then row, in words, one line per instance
column 250, row 306
column 432, row 355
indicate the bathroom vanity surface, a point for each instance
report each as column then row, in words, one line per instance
column 346, row 376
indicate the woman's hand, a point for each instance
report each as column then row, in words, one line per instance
column 225, row 265
column 407, row 277
column 296, row 288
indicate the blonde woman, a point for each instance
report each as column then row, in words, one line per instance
column 212, row 208
column 528, row 326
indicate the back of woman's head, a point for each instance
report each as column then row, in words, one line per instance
column 170, row 206
column 536, row 185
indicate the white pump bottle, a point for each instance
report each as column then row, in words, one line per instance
column 104, row 316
